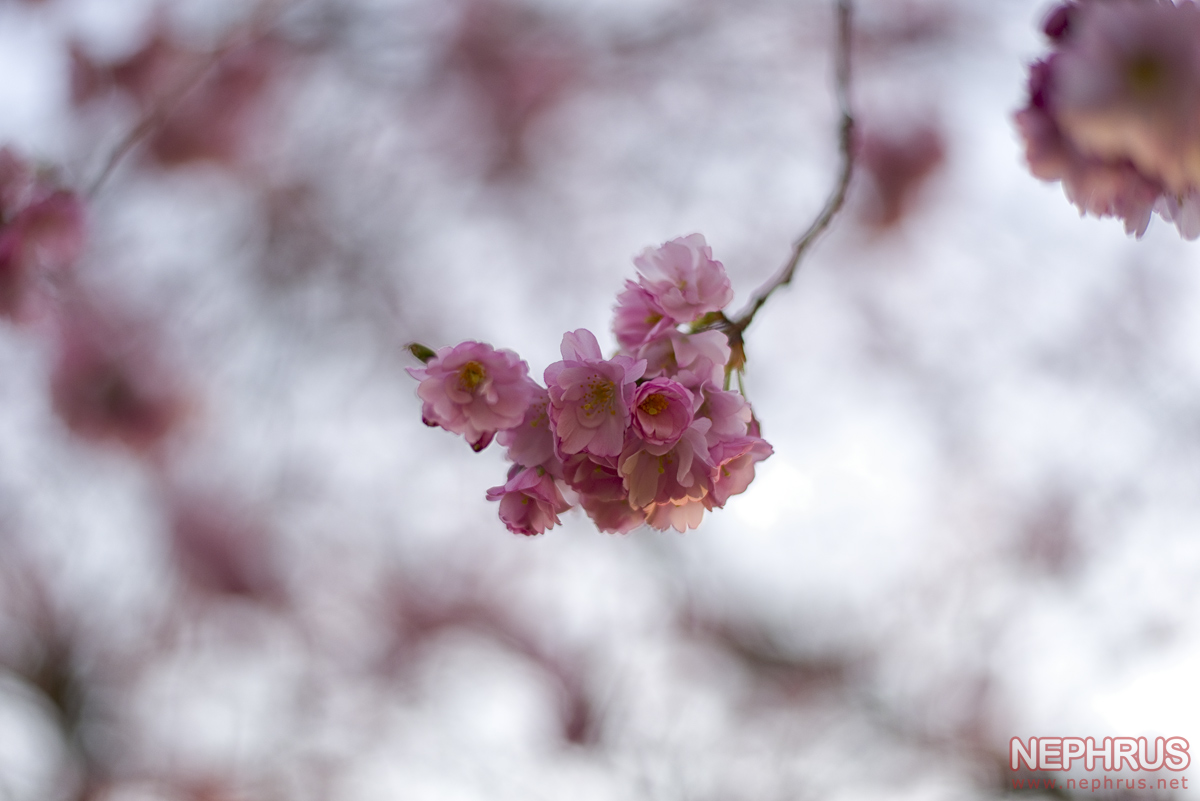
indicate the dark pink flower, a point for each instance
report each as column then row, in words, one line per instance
column 590, row 397
column 684, row 279
column 662, row 410
column 530, row 501
column 474, row 390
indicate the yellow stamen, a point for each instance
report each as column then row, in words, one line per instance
column 654, row 404
column 470, row 375
column 600, row 395
column 1145, row 73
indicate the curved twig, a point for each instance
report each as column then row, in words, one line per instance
column 736, row 326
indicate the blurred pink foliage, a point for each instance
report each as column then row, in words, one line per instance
column 213, row 101
column 109, row 385
column 514, row 63
column 41, row 232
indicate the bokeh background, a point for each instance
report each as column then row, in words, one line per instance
column 235, row 566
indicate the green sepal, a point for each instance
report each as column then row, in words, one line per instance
column 420, row 351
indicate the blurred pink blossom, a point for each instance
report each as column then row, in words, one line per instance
column 1114, row 111
column 210, row 120
column 514, row 65
column 108, row 385
column 896, row 164
column 42, row 231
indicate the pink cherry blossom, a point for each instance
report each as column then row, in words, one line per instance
column 645, row 437
column 602, row 493
column 590, row 397
column 691, row 359
column 595, row 476
column 1127, row 87
column 734, row 460
column 612, row 517
column 662, row 410
column 638, row 317
column 655, row 476
column 530, row 501
column 474, row 390
column 679, row 516
column 684, row 279
column 728, row 411
column 531, row 443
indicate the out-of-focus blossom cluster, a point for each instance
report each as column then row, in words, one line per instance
column 41, row 231
column 1114, row 111
column 651, row 435
column 212, row 101
column 107, row 384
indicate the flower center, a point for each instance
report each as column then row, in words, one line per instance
column 600, row 394
column 654, row 404
column 1145, row 73
column 470, row 375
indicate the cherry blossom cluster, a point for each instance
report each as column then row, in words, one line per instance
column 651, row 435
column 1114, row 110
column 41, row 231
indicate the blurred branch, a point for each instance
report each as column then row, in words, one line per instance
column 259, row 27
column 735, row 327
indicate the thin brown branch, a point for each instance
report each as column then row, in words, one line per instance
column 737, row 325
